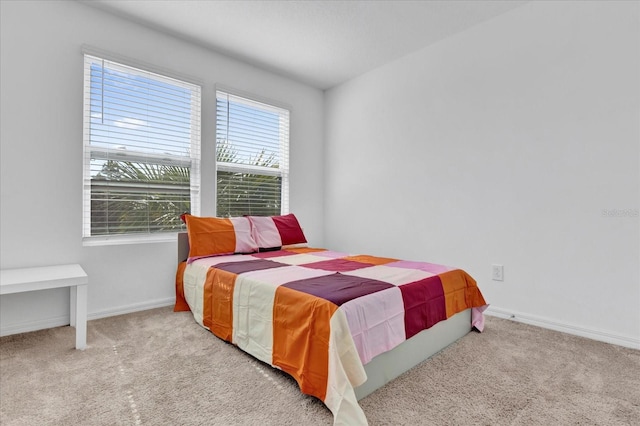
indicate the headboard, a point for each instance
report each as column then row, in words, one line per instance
column 183, row 246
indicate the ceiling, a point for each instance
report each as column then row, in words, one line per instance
column 320, row 43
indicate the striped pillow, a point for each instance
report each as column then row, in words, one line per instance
column 212, row 236
column 274, row 232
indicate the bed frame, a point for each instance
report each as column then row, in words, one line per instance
column 387, row 366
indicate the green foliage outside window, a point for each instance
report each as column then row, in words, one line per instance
column 149, row 198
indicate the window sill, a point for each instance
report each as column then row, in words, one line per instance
column 169, row 237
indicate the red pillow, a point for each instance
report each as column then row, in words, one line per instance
column 272, row 232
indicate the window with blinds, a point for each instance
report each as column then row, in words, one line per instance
column 252, row 157
column 141, row 150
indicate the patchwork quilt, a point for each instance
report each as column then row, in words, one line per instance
column 321, row 315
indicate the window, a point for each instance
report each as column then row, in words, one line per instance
column 252, row 157
column 141, row 150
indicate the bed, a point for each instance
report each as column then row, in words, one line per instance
column 341, row 325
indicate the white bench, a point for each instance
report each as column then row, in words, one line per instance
column 46, row 277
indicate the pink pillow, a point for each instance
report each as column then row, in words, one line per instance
column 273, row 232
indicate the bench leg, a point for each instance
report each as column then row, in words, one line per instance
column 78, row 314
column 73, row 302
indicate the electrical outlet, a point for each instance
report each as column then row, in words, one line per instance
column 497, row 272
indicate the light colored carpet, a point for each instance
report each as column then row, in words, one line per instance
column 160, row 368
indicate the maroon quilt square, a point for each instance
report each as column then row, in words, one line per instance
column 424, row 304
column 338, row 288
column 273, row 253
column 337, row 265
column 248, row 266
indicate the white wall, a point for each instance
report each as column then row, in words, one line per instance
column 504, row 144
column 41, row 154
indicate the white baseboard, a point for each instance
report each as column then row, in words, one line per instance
column 59, row 321
column 629, row 342
column 602, row 336
column 135, row 307
column 26, row 326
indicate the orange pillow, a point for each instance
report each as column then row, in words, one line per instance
column 213, row 236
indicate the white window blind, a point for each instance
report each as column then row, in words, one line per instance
column 252, row 157
column 141, row 150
